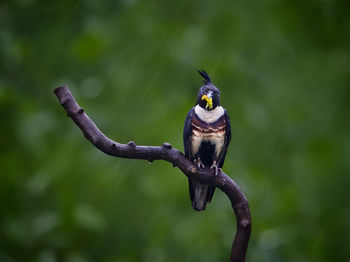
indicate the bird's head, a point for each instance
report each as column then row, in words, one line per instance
column 208, row 95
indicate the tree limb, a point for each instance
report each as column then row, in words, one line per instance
column 168, row 153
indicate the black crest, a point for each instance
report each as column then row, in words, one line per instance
column 205, row 75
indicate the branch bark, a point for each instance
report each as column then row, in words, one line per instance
column 168, row 153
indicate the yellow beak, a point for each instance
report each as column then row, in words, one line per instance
column 209, row 101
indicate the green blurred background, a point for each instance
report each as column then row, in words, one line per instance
column 283, row 68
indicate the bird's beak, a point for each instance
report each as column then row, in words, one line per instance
column 209, row 101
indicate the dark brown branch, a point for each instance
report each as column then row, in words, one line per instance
column 168, row 153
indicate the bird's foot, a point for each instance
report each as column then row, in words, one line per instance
column 199, row 163
column 214, row 166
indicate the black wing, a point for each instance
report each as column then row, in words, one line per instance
column 187, row 132
column 227, row 140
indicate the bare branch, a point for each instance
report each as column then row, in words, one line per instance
column 168, row 153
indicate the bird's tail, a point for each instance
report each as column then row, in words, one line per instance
column 200, row 194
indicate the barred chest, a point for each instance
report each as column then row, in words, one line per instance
column 202, row 131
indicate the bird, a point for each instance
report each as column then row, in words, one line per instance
column 206, row 137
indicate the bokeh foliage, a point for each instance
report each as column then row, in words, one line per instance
column 283, row 70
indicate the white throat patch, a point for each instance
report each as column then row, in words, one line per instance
column 209, row 116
